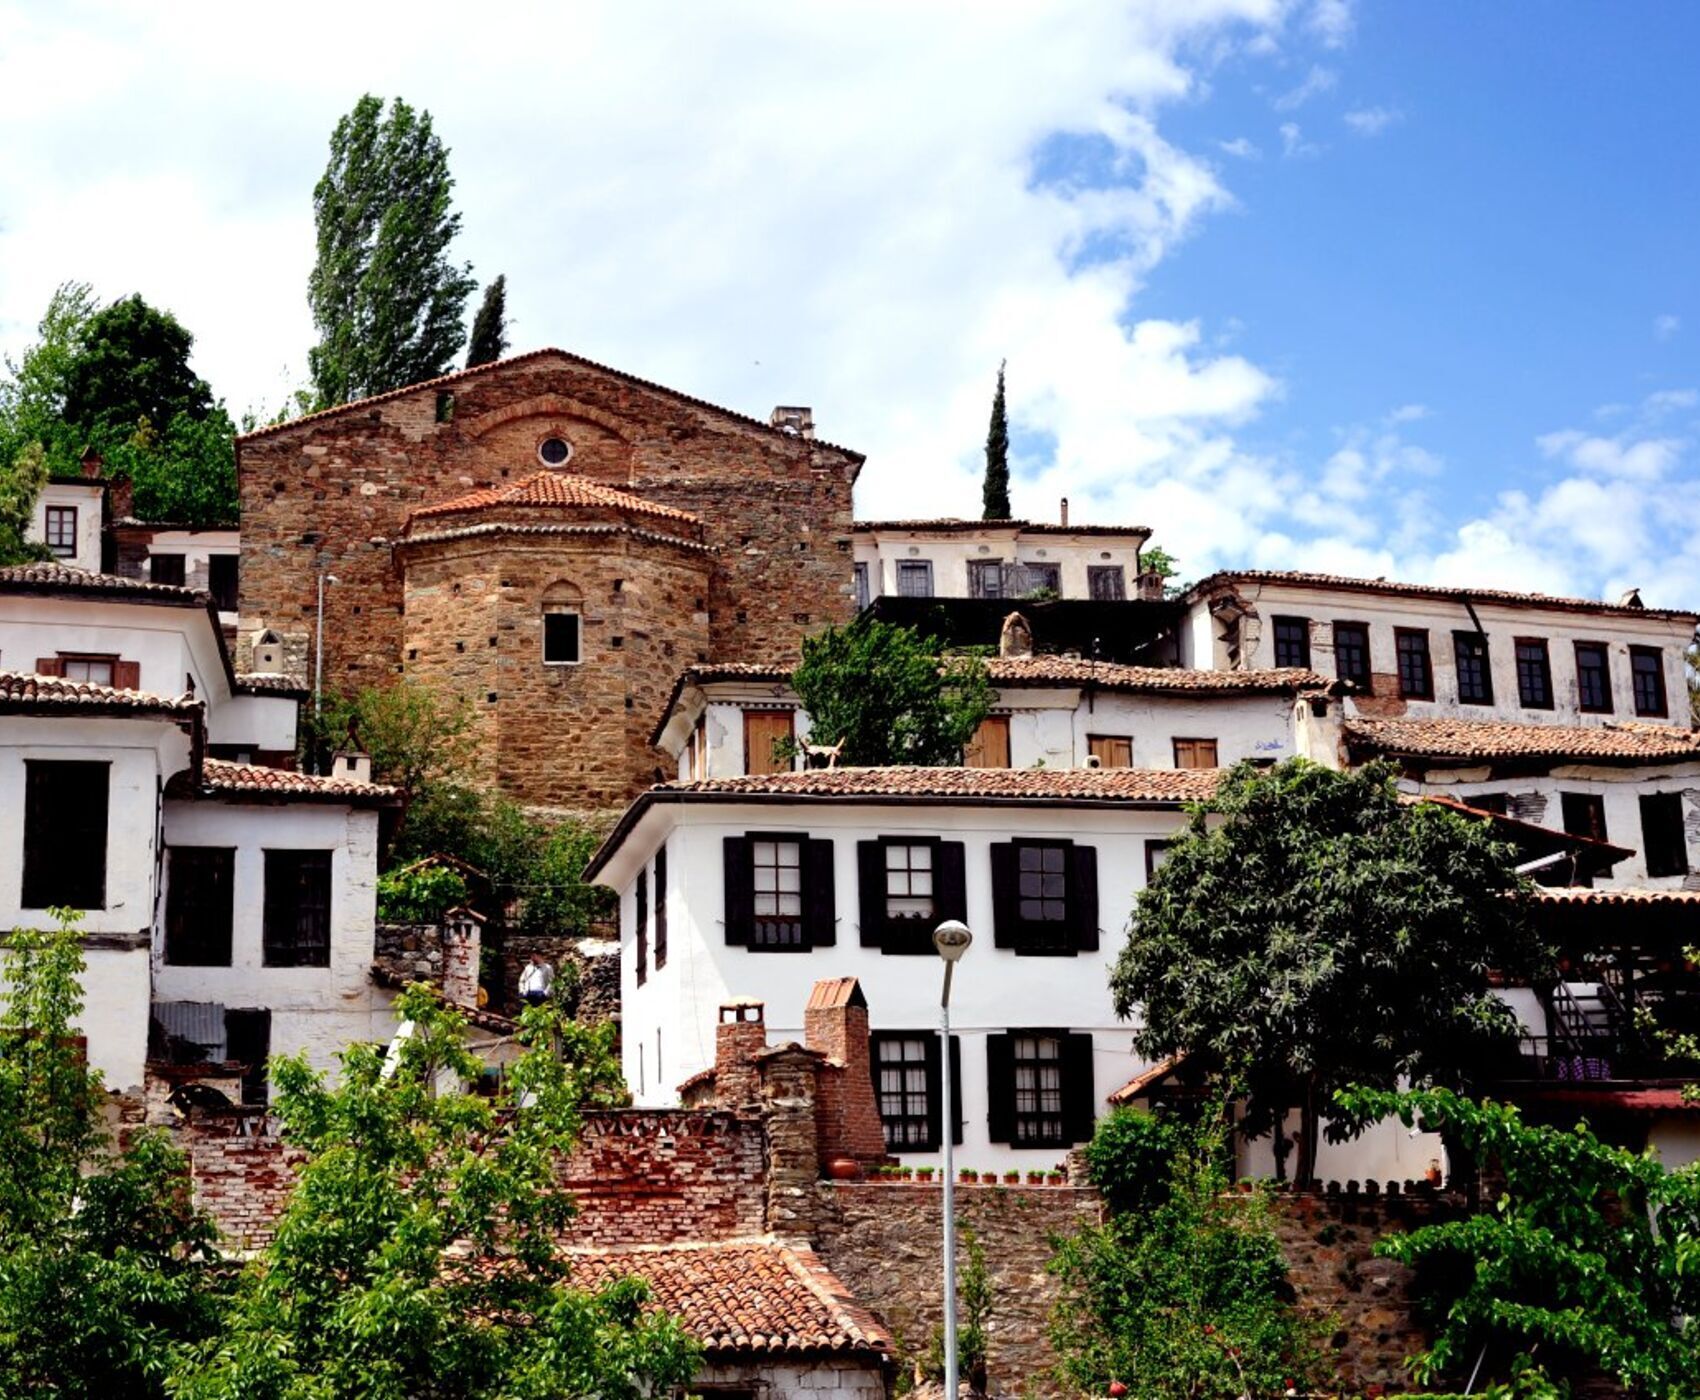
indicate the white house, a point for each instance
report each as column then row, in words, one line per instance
column 205, row 558
column 69, row 519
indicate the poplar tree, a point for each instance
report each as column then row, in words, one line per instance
column 388, row 303
column 490, row 325
column 996, row 491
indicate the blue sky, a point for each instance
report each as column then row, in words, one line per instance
column 1402, row 289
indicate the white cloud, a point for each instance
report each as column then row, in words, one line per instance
column 1240, row 147
column 1331, row 21
column 1656, row 405
column 1666, row 326
column 1372, row 121
column 1293, row 143
column 1316, row 82
column 1408, row 413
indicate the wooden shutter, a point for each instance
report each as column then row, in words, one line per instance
column 1083, row 896
column 1000, row 1088
column 199, row 905
column 870, row 893
column 1079, row 1100
column 640, row 921
column 1006, row 896
column 935, row 1096
column 820, row 898
column 50, row 666
column 660, row 907
column 956, row 1106
column 127, row 675
column 950, row 881
column 740, row 911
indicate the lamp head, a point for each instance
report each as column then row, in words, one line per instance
column 952, row 938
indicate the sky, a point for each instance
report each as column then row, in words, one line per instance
column 1375, row 288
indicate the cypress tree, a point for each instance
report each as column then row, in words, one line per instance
column 490, row 325
column 996, row 491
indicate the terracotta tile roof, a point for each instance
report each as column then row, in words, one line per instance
column 953, row 525
column 221, row 778
column 62, row 578
column 1512, row 826
column 833, row 992
column 1043, row 670
column 744, row 1297
column 22, row 693
column 475, row 370
column 499, row 527
column 1068, row 784
column 552, row 488
column 1602, row 1097
column 1616, row 898
column 269, row 683
column 1626, row 741
column 1225, row 578
column 1144, row 1080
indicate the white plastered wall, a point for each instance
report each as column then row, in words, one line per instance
column 951, row 551
column 87, row 499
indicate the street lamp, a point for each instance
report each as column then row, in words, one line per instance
column 951, row 938
column 319, row 661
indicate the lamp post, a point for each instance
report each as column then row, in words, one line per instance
column 951, row 938
column 319, row 661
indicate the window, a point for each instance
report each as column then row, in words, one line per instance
column 1416, row 675
column 297, row 921
column 1156, row 852
column 985, row 578
column 1195, row 753
column 765, row 734
column 1664, row 835
column 1041, row 576
column 908, row 885
column 1495, row 802
column 1045, row 897
column 1106, row 583
column 905, row 1067
column 221, row 581
column 660, row 908
column 914, row 578
column 1647, row 677
column 96, row 670
column 1534, row 674
column 1593, row 678
column 862, row 596
column 1292, row 642
column 65, row 804
column 779, row 893
column 166, row 568
column 1111, row 750
column 1584, row 814
column 561, row 642
column 989, row 748
column 199, row 901
column 640, row 923
column 62, row 530
column 1039, row 1088
column 1351, row 654
column 554, row 451
column 1475, row 675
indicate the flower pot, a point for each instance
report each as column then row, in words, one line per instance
column 844, row 1169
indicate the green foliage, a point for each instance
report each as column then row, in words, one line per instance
column 103, row 1259
column 490, row 326
column 186, row 475
column 974, row 1303
column 995, row 492
column 419, row 894
column 416, row 736
column 32, row 393
column 360, row 1292
column 386, row 300
column 1131, row 1158
column 554, row 895
column 1186, row 1297
column 889, row 696
column 1309, row 931
column 1590, row 1253
column 132, row 366
column 1159, row 561
column 21, row 480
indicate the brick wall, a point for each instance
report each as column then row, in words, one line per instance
column 243, row 1182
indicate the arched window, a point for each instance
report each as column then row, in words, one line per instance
column 563, row 625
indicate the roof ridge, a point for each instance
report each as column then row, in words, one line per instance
column 525, row 492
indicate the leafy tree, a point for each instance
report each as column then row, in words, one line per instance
column 419, row 895
column 1184, row 1298
column 386, row 300
column 995, row 494
column 1591, row 1255
column 1131, row 1158
column 32, row 393
column 418, row 1254
column 889, row 695
column 21, row 480
column 131, row 367
column 103, row 1260
column 1311, row 931
column 490, row 325
column 187, row 474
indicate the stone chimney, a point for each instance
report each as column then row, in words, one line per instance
column 353, row 765
column 1148, row 587
column 738, row 1039
column 1063, row 514
column 268, row 653
column 835, row 1023
column 794, row 419
column 463, row 946
column 92, row 463
column 1317, row 730
column 790, row 1077
column 1016, row 638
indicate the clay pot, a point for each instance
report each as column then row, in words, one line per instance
column 844, row 1169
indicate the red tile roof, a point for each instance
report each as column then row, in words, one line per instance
column 744, row 1297
column 22, row 693
column 1626, row 741
column 1619, row 898
column 952, row 525
column 1044, row 670
column 1224, row 579
column 552, row 488
column 1144, row 1080
column 270, row 683
column 951, row 784
column 219, row 777
column 62, row 578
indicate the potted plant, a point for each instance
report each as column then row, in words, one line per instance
column 1035, row 1177
column 968, row 1176
column 925, row 1174
column 1012, row 1177
column 1055, row 1177
column 905, row 1173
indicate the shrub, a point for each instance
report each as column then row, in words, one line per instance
column 419, row 895
column 1131, row 1158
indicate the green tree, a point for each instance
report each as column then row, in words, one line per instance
column 132, row 367
column 1185, row 1297
column 103, row 1259
column 419, row 1252
column 387, row 302
column 1309, row 931
column 889, row 696
column 32, row 392
column 1590, row 1256
column 490, row 325
column 995, row 493
column 21, row 478
column 187, row 474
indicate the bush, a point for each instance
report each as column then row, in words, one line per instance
column 419, row 894
column 1131, row 1158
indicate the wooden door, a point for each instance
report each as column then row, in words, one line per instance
column 763, row 732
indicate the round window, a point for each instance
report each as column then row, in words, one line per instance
column 553, row 451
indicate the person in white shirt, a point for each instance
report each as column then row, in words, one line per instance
column 535, row 979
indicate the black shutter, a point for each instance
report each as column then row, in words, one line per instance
column 1006, row 898
column 870, row 886
column 935, row 1096
column 65, row 811
column 1083, row 896
column 660, row 907
column 820, row 898
column 956, row 1110
column 1079, row 1100
column 950, row 882
column 1000, row 1088
column 198, row 906
column 740, row 892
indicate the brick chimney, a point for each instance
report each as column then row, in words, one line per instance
column 794, row 419
column 740, row 1036
column 92, row 463
column 835, row 1022
column 463, row 943
column 1064, row 512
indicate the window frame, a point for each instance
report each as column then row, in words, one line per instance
column 864, row 595
column 86, row 659
column 1078, row 1100
column 640, row 925
column 908, row 934
column 1097, row 744
column 1606, row 703
column 978, row 570
column 1289, row 623
column 1050, row 574
column 187, row 902
column 1360, row 632
column 1540, row 659
column 1076, row 931
column 1466, row 661
column 177, row 564
column 1412, row 643
column 561, row 610
column 225, row 601
column 1156, row 852
column 1098, row 573
column 71, row 822
column 1672, row 841
column 53, row 523
column 660, row 945
column 816, row 888
column 275, row 949
column 927, row 1120
column 1645, row 661
column 1594, row 803
column 921, row 568
column 1198, row 745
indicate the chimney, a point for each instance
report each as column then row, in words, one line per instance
column 1631, row 599
column 268, row 653
column 463, row 944
column 353, row 765
column 740, row 1036
column 1148, row 587
column 1065, row 510
column 92, row 464
column 1016, row 638
column 835, row 1022
column 797, row 420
